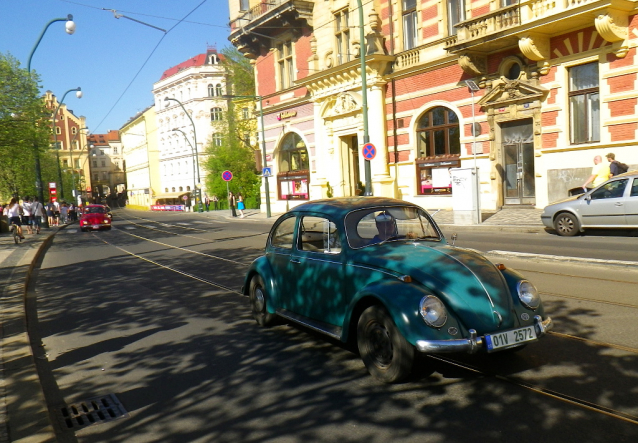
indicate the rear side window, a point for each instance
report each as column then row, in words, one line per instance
column 317, row 234
column 634, row 188
column 283, row 233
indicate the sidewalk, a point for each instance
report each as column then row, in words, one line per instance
column 24, row 416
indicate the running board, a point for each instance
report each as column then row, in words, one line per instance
column 319, row 326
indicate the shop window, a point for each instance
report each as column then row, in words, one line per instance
column 584, row 103
column 284, row 61
column 342, row 36
column 294, row 168
column 438, row 150
column 410, row 35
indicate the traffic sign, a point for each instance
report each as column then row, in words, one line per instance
column 369, row 151
column 227, row 176
column 185, row 197
column 267, row 172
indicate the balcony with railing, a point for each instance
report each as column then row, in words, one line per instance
column 252, row 29
column 501, row 28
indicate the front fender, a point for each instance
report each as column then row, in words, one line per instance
column 512, row 278
column 262, row 267
column 402, row 302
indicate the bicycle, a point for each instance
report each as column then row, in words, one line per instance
column 16, row 237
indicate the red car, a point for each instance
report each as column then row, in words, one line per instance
column 95, row 217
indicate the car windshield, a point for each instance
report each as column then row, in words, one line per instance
column 375, row 226
column 94, row 211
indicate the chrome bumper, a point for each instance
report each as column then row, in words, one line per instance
column 474, row 343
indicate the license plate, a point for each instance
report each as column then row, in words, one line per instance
column 97, row 226
column 507, row 339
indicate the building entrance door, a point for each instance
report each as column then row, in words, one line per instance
column 350, row 165
column 519, row 187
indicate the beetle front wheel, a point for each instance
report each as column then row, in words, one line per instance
column 385, row 352
column 258, row 302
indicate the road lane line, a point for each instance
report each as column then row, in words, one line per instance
column 563, row 258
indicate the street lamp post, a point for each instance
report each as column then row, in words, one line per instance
column 364, row 96
column 55, row 134
column 70, row 29
column 263, row 144
column 198, row 190
column 195, row 190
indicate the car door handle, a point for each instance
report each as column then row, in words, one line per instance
column 295, row 260
column 618, row 203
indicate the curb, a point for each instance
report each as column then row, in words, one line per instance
column 28, row 419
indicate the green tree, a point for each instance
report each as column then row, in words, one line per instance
column 24, row 125
column 229, row 149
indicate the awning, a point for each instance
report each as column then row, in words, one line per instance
column 171, row 194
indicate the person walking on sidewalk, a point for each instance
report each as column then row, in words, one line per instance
column 231, row 204
column 26, row 214
column 240, row 205
column 38, row 212
column 215, row 202
column 599, row 173
column 207, row 203
column 616, row 167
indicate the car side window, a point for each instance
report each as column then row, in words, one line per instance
column 634, row 188
column 613, row 189
column 283, row 234
column 317, row 234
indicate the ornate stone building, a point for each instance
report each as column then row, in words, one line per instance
column 527, row 91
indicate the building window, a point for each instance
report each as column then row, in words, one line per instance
column 294, row 168
column 284, row 60
column 172, row 189
column 105, row 176
column 77, row 163
column 58, row 130
column 188, row 188
column 117, row 164
column 211, row 90
column 246, row 138
column 114, row 150
column 245, row 114
column 74, row 130
column 409, row 24
column 342, row 35
column 215, row 114
column 217, row 139
column 243, row 5
column 65, row 163
column 95, row 176
column 181, row 188
column 455, row 14
column 218, row 90
column 438, row 150
column 101, row 151
column 103, row 164
column 584, row 103
column 165, row 189
column 95, row 164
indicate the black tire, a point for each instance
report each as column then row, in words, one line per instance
column 16, row 238
column 258, row 299
column 566, row 224
column 385, row 352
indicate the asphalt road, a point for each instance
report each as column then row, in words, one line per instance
column 151, row 313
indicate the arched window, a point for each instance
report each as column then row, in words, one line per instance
column 438, row 149
column 215, row 114
column 294, row 168
column 165, row 189
column 181, row 188
column 188, row 188
column 172, row 189
column 218, row 89
column 211, row 90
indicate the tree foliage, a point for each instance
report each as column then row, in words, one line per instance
column 24, row 130
column 231, row 152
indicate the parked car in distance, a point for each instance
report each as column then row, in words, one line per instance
column 95, row 217
column 378, row 272
column 613, row 204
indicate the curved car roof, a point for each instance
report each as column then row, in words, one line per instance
column 339, row 207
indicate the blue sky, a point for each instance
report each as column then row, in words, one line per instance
column 114, row 61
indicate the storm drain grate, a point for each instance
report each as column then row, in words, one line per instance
column 91, row 412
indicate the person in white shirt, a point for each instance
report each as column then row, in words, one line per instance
column 14, row 216
column 26, row 214
column 37, row 211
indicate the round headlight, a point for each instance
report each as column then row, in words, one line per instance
column 528, row 294
column 433, row 311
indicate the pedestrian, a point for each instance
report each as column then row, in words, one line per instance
column 71, row 212
column 56, row 213
column 14, row 213
column 38, row 212
column 231, row 204
column 64, row 213
column 50, row 212
column 207, row 202
column 616, row 167
column 26, row 214
column 599, row 173
column 215, row 202
column 240, row 205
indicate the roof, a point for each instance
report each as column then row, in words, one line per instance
column 198, row 60
column 343, row 205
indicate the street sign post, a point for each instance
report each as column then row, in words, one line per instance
column 227, row 176
column 369, row 151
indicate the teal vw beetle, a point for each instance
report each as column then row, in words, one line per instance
column 378, row 272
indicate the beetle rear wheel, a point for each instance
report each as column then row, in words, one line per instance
column 566, row 224
column 258, row 302
column 385, row 352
